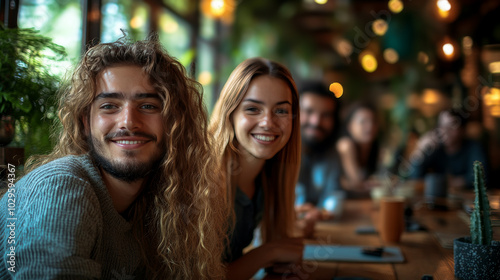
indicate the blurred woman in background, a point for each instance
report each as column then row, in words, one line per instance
column 358, row 148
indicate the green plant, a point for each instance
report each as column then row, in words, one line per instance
column 480, row 223
column 27, row 88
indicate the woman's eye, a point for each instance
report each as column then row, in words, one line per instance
column 282, row 111
column 252, row 110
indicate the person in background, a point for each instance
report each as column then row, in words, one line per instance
column 130, row 189
column 256, row 135
column 445, row 150
column 320, row 167
column 358, row 149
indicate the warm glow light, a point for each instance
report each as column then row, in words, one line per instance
column 396, row 6
column 137, row 22
column 495, row 111
column 168, row 24
column 444, row 8
column 343, row 47
column 379, row 27
column 448, row 49
column 494, row 67
column 430, row 96
column 205, row 78
column 368, row 62
column 495, row 96
column 337, row 89
column 139, row 17
column 217, row 7
column 444, row 5
column 391, row 55
column 321, row 2
column 423, row 57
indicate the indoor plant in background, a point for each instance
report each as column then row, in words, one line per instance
column 27, row 88
column 478, row 256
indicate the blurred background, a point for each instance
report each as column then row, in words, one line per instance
column 412, row 58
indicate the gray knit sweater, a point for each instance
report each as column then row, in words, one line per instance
column 62, row 225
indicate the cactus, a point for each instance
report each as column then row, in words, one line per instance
column 480, row 224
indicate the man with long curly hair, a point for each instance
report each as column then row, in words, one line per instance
column 130, row 190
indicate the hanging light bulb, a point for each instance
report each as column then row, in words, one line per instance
column 218, row 9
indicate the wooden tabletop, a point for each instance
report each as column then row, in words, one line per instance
column 426, row 252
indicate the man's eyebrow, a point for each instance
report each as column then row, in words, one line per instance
column 260, row 102
column 114, row 95
column 147, row 95
column 117, row 95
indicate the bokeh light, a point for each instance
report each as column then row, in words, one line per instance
column 448, row 49
column 218, row 9
column 380, row 27
column 444, row 5
column 321, row 2
column 396, row 6
column 423, row 57
column 343, row 47
column 205, row 78
column 430, row 96
column 494, row 67
column 168, row 23
column 337, row 89
column 368, row 61
column 391, row 55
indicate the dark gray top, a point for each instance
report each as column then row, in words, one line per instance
column 65, row 226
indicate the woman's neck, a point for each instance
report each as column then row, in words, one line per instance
column 249, row 169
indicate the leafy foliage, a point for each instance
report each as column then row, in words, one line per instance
column 26, row 85
column 480, row 226
column 27, row 88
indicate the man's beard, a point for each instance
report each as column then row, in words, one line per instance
column 129, row 171
column 316, row 145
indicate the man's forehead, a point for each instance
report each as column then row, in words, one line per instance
column 312, row 99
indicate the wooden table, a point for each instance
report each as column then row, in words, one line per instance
column 423, row 250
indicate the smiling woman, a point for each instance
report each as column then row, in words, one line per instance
column 255, row 130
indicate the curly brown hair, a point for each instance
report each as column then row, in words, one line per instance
column 179, row 220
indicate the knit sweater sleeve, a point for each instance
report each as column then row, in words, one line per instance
column 57, row 229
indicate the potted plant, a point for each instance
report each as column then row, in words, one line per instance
column 478, row 256
column 27, row 87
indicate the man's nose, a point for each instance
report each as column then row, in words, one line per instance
column 314, row 119
column 128, row 118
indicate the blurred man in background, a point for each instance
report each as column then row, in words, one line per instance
column 320, row 169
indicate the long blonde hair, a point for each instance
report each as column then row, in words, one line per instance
column 179, row 217
column 280, row 173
